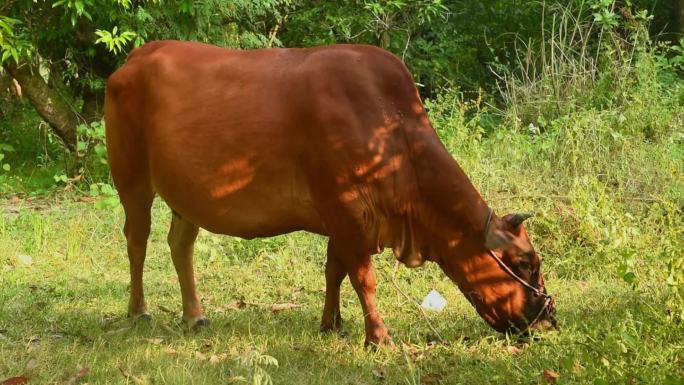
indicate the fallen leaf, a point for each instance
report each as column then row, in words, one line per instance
column 168, row 329
column 170, row 351
column 154, row 341
column 235, row 305
column 236, row 380
column 20, row 380
column 550, row 376
column 139, row 380
column 276, row 307
column 166, row 309
column 217, row 358
column 413, row 352
column 513, row 350
column 82, row 372
column 577, row 368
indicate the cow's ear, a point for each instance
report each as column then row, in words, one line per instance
column 497, row 238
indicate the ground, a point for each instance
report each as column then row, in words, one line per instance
column 64, row 291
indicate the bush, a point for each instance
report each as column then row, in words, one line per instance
column 591, row 59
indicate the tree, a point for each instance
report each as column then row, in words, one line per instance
column 62, row 51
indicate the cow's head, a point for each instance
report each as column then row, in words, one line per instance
column 490, row 277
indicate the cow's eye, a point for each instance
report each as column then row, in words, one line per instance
column 524, row 266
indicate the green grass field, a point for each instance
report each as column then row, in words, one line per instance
column 608, row 224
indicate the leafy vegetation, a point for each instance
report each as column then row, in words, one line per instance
column 571, row 110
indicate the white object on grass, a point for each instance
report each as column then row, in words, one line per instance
column 434, row 301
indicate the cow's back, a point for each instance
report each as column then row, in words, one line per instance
column 258, row 143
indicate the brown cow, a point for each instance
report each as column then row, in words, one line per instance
column 332, row 140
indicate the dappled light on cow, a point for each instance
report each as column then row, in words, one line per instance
column 378, row 165
column 233, row 176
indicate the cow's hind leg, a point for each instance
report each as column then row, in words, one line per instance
column 181, row 239
column 137, row 204
column 334, row 275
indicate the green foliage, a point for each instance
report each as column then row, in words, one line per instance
column 115, row 40
column 91, row 141
column 12, row 45
column 109, row 198
column 256, row 363
column 75, row 9
column 4, row 149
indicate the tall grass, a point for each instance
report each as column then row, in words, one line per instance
column 591, row 57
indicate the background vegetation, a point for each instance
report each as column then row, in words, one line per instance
column 572, row 110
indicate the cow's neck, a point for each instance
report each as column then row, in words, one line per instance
column 449, row 213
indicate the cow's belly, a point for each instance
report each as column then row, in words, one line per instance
column 244, row 198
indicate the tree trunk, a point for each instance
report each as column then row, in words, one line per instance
column 53, row 107
column 5, row 93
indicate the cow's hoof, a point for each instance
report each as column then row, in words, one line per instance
column 338, row 330
column 199, row 323
column 374, row 342
column 332, row 327
column 331, row 324
column 142, row 318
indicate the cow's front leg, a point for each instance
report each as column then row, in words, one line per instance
column 334, row 275
column 181, row 239
column 360, row 270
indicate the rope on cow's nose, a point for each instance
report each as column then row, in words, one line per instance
column 422, row 311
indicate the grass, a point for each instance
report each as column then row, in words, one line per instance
column 64, row 284
column 65, row 309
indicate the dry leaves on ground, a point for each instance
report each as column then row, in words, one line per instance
column 19, row 380
column 550, row 376
column 277, row 307
column 513, row 350
column 76, row 377
column 136, row 379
